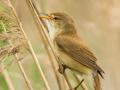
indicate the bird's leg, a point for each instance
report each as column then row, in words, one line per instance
column 62, row 68
column 76, row 87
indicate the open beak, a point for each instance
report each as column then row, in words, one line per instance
column 45, row 16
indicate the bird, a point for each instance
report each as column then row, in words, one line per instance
column 70, row 48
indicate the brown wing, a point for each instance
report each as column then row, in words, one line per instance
column 77, row 51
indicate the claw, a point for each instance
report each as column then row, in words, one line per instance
column 62, row 68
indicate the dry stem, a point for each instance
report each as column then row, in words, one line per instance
column 8, row 79
column 60, row 80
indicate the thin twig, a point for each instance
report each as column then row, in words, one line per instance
column 30, row 47
column 19, row 63
column 23, row 73
column 78, row 78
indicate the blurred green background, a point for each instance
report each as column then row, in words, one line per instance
column 98, row 24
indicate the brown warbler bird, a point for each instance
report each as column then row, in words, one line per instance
column 70, row 48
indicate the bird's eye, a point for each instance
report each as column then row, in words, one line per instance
column 56, row 18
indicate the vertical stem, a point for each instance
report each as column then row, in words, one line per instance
column 46, row 43
column 67, row 80
column 60, row 79
column 23, row 73
column 8, row 79
column 30, row 47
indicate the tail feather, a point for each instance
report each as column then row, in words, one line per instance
column 97, row 82
column 100, row 74
column 92, row 81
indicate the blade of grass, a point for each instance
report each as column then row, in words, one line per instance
column 7, row 77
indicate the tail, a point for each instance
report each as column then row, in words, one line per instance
column 97, row 85
column 92, row 81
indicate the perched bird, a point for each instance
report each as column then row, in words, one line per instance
column 70, row 48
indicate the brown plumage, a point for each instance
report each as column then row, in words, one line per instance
column 74, row 48
column 71, row 49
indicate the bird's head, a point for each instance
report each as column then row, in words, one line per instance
column 62, row 23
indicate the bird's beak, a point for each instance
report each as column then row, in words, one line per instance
column 45, row 16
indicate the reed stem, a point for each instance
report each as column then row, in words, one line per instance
column 59, row 79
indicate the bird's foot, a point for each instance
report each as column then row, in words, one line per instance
column 62, row 68
column 75, row 88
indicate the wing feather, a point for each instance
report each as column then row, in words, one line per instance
column 77, row 51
